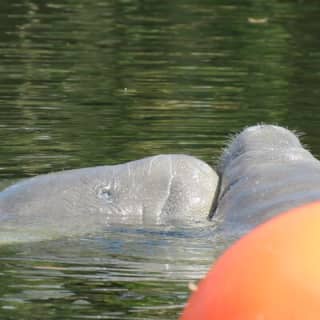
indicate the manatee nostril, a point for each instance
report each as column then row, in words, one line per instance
column 104, row 192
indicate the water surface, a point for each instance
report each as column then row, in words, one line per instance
column 104, row 82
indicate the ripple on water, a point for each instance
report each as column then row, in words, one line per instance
column 143, row 273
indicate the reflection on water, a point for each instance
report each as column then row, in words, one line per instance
column 104, row 82
column 121, row 274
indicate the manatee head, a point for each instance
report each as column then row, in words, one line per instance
column 159, row 190
column 162, row 189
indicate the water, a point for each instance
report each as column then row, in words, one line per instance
column 104, row 82
column 121, row 274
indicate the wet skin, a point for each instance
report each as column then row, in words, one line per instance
column 264, row 171
column 159, row 190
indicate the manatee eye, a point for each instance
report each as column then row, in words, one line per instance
column 104, row 192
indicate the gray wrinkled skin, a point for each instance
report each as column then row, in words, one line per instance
column 164, row 189
column 264, row 171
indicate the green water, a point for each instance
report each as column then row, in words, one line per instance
column 87, row 83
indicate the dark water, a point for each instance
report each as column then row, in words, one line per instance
column 101, row 82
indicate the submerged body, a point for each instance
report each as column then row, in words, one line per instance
column 264, row 171
column 164, row 189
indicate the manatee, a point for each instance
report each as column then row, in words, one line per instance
column 158, row 190
column 264, row 171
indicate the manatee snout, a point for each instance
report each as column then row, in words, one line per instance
column 263, row 171
column 259, row 141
